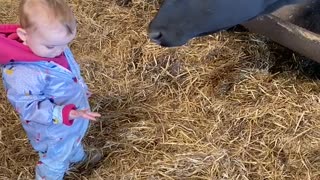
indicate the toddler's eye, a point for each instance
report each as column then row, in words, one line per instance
column 49, row 47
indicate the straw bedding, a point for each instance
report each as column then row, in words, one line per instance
column 232, row 105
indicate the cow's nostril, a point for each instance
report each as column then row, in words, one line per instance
column 155, row 35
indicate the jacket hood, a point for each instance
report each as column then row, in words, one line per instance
column 13, row 50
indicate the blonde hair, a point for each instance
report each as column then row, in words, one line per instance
column 59, row 9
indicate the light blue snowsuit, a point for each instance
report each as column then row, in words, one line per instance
column 39, row 91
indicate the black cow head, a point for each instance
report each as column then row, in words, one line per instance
column 180, row 20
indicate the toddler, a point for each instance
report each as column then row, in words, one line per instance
column 44, row 85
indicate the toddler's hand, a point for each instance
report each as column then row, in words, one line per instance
column 84, row 114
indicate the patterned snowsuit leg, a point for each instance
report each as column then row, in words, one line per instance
column 55, row 162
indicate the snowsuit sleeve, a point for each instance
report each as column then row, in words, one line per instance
column 25, row 88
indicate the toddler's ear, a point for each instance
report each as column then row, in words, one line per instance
column 22, row 33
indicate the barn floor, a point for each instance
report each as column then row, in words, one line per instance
column 227, row 106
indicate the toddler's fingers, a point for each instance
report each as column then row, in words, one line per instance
column 94, row 114
column 90, row 112
column 87, row 116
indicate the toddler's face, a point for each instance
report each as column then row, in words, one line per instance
column 49, row 40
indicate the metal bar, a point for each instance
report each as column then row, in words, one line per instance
column 287, row 34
